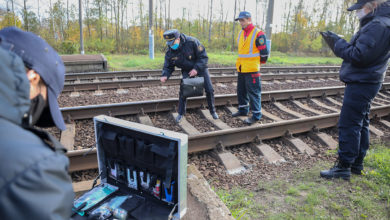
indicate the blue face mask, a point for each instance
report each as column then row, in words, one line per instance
column 175, row 46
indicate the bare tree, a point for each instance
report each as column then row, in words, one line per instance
column 67, row 13
column 211, row 20
column 161, row 18
column 39, row 15
column 234, row 24
column 182, row 18
column 221, row 21
column 169, row 14
column 88, row 16
column 189, row 23
column 155, row 16
column 25, row 15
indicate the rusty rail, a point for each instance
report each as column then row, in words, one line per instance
column 128, row 108
column 79, row 160
column 213, row 71
column 86, row 159
column 136, row 83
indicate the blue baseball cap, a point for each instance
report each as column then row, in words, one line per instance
column 38, row 55
column 358, row 5
column 243, row 14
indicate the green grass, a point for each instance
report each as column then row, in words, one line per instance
column 216, row 59
column 306, row 196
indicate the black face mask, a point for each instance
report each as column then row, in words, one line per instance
column 37, row 106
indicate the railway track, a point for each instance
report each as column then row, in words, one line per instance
column 123, row 84
column 313, row 110
column 77, row 82
column 213, row 71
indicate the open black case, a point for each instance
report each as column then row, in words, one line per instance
column 143, row 173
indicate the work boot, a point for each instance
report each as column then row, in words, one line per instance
column 236, row 114
column 357, row 165
column 178, row 118
column 357, row 168
column 339, row 170
column 214, row 114
column 250, row 121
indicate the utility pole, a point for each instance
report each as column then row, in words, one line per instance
column 81, row 28
column 268, row 29
column 151, row 36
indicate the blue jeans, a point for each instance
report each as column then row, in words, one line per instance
column 249, row 91
column 354, row 135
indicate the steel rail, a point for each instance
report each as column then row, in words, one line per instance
column 86, row 159
column 226, row 70
column 123, row 84
column 128, row 108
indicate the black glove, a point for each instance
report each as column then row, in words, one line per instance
column 330, row 38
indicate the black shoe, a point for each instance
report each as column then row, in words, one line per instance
column 357, row 169
column 250, row 121
column 178, row 118
column 236, row 114
column 340, row 170
column 214, row 114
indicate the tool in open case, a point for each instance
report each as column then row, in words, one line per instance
column 113, row 169
column 108, row 208
column 144, row 184
column 132, row 178
column 121, row 173
column 168, row 196
column 120, row 214
column 156, row 189
column 93, row 197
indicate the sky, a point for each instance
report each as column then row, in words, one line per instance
column 195, row 7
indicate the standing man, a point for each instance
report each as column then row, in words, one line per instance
column 365, row 61
column 190, row 55
column 34, row 180
column 252, row 51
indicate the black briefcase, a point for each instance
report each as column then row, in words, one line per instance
column 191, row 87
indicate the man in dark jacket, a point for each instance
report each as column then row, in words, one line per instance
column 188, row 54
column 365, row 60
column 34, row 180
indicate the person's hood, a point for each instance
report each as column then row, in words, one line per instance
column 14, row 88
column 382, row 11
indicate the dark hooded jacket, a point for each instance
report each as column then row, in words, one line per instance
column 191, row 54
column 367, row 54
column 34, row 179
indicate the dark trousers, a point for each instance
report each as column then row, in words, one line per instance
column 354, row 135
column 208, row 87
column 249, row 91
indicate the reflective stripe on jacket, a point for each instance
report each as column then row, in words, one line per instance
column 248, row 54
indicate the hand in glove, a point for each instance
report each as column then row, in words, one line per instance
column 330, row 38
